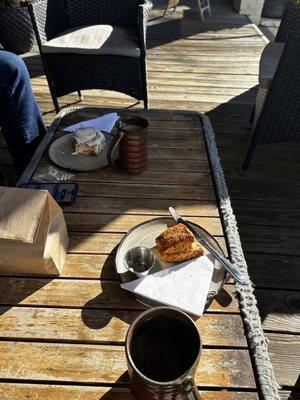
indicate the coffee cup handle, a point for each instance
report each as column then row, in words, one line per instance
column 189, row 390
column 113, row 149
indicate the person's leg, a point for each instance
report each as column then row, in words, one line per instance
column 20, row 118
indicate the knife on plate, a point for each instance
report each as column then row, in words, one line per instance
column 231, row 268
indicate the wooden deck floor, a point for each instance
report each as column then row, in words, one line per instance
column 212, row 67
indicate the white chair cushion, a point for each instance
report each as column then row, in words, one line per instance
column 93, row 40
column 268, row 63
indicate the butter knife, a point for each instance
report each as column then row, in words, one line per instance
column 231, row 268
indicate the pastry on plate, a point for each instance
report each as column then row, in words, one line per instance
column 177, row 244
column 89, row 141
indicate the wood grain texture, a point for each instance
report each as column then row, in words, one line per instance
column 100, row 326
column 292, row 394
column 151, row 177
column 266, row 191
column 279, row 310
column 143, row 191
column 88, row 294
column 198, row 166
column 89, row 266
column 99, row 243
column 11, row 391
column 122, row 223
column 274, row 271
column 109, row 205
column 106, row 243
column 192, row 66
column 165, row 154
column 284, row 352
column 106, row 364
column 282, row 241
column 262, row 213
column 274, row 152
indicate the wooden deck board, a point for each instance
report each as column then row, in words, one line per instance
column 67, row 325
column 80, row 363
column 89, row 294
column 19, row 391
column 210, row 67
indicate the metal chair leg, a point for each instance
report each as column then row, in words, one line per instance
column 168, row 6
column 54, row 98
column 146, row 104
column 52, row 92
column 3, row 177
column 50, row 84
column 200, row 10
column 80, row 95
column 55, row 102
column 209, row 9
column 144, row 82
column 252, row 116
column 248, row 156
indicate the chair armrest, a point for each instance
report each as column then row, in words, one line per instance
column 48, row 18
column 143, row 17
column 288, row 68
column 290, row 22
column 37, row 12
column 280, row 116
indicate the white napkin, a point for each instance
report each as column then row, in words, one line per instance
column 184, row 286
column 104, row 123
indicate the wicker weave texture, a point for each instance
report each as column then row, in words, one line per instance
column 16, row 31
column 290, row 22
column 280, row 117
column 259, row 103
column 72, row 72
column 67, row 73
column 122, row 13
column 50, row 18
column 143, row 15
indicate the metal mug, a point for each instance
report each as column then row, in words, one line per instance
column 163, row 348
column 132, row 141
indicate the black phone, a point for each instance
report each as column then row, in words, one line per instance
column 64, row 193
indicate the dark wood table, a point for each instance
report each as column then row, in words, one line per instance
column 63, row 338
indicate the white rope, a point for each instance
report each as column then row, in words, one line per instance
column 248, row 305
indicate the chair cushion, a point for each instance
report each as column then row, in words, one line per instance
column 93, row 40
column 268, row 63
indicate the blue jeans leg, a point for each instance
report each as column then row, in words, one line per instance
column 20, row 118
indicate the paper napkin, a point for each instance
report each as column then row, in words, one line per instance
column 184, row 286
column 104, row 123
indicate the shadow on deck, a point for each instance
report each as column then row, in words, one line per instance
column 212, row 67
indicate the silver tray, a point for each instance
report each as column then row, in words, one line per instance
column 144, row 234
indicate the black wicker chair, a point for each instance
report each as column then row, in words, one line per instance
column 70, row 71
column 279, row 120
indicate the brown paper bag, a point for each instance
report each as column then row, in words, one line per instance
column 33, row 233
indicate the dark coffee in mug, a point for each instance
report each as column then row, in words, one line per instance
column 164, row 347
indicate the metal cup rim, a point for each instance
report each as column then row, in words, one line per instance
column 129, row 338
column 131, row 269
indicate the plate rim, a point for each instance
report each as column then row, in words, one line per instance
column 68, row 168
column 209, row 298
